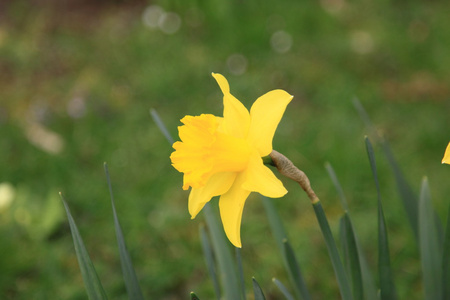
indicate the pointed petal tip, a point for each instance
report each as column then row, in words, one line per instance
column 222, row 82
column 236, row 243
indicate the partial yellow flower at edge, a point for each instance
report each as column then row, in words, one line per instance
column 223, row 156
column 446, row 159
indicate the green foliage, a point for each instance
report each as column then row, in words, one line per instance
column 129, row 275
column 351, row 256
column 288, row 255
column 446, row 260
column 430, row 249
column 283, row 289
column 209, row 259
column 387, row 287
column 194, row 296
column 341, row 276
column 353, row 259
column 93, row 285
column 227, row 271
column 259, row 295
column 294, row 271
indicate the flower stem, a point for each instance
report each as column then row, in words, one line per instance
column 287, row 168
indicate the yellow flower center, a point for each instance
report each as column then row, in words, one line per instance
column 205, row 150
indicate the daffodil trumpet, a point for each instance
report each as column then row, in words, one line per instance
column 222, row 156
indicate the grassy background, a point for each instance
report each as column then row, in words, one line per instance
column 77, row 80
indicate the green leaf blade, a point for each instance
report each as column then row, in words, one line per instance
column 370, row 291
column 276, row 225
column 129, row 275
column 259, row 295
column 429, row 246
column 387, row 287
column 446, row 261
column 240, row 272
column 194, row 296
column 408, row 197
column 280, row 235
column 209, row 260
column 353, row 258
column 283, row 289
column 341, row 276
column 223, row 256
column 294, row 271
column 337, row 185
column 162, row 127
column 92, row 283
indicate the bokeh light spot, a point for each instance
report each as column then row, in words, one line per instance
column 7, row 194
column 281, row 41
column 237, row 64
column 333, row 7
column 169, row 23
column 76, row 107
column 44, row 139
column 361, row 42
column 151, row 16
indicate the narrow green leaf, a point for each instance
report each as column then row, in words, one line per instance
column 222, row 253
column 194, row 296
column 259, row 295
column 162, row 127
column 370, row 291
column 129, row 274
column 338, row 267
column 209, row 259
column 344, row 246
column 276, row 225
column 408, row 197
column 387, row 287
column 446, row 260
column 429, row 246
column 353, row 258
column 93, row 285
column 294, row 270
column 337, row 185
column 240, row 272
column 279, row 233
column 283, row 289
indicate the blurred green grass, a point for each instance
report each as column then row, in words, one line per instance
column 77, row 81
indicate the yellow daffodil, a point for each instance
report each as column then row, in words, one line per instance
column 446, row 159
column 222, row 156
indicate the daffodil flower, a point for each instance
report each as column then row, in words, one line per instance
column 222, row 156
column 446, row 159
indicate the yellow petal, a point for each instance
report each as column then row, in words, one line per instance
column 446, row 159
column 231, row 206
column 236, row 116
column 265, row 115
column 259, row 178
column 217, row 185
